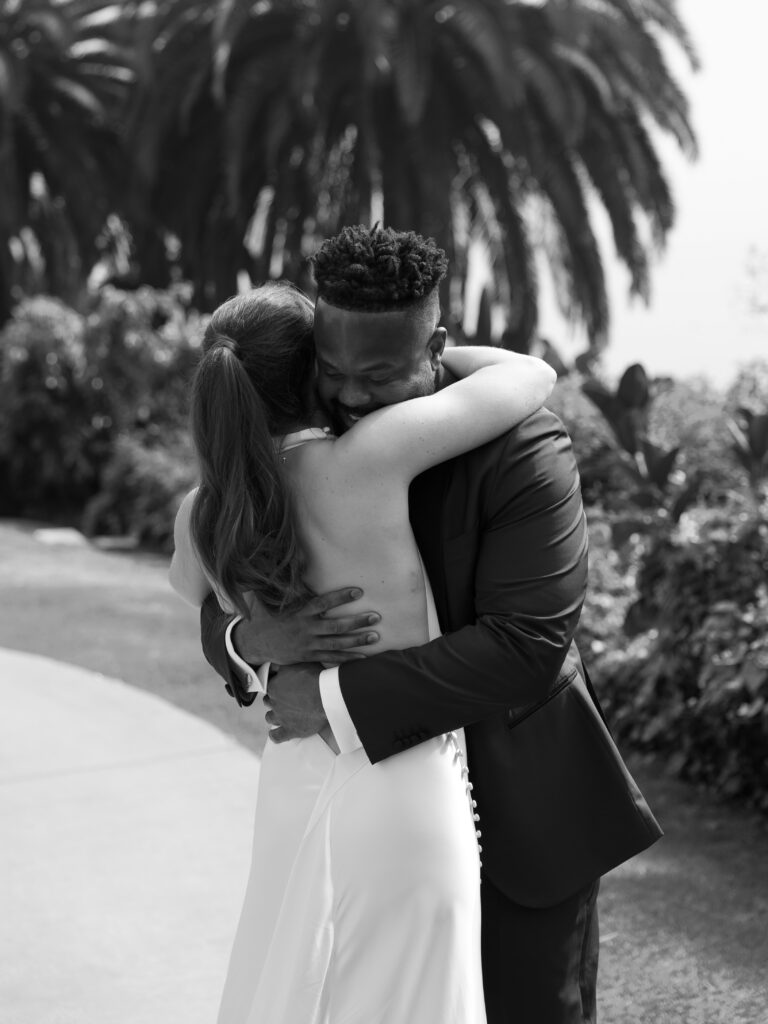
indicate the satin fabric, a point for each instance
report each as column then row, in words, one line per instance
column 363, row 901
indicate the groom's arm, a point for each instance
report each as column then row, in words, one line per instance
column 529, row 585
column 215, row 629
column 238, row 649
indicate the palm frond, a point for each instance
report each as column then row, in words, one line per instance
column 462, row 113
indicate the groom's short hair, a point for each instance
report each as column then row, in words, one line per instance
column 377, row 270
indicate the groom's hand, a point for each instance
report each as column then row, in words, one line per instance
column 295, row 707
column 306, row 635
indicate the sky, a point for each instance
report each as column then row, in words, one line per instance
column 700, row 321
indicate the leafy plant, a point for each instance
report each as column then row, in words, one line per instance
column 457, row 120
column 145, row 344
column 750, row 445
column 605, row 481
column 626, row 411
column 693, row 685
column 71, row 384
column 54, row 416
column 63, row 168
column 691, row 415
column 141, row 491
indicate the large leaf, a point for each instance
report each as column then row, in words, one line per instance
column 634, row 388
column 659, row 463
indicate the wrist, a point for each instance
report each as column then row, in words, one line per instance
column 244, row 645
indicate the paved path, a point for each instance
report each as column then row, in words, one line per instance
column 125, row 828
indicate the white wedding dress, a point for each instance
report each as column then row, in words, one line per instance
column 363, row 901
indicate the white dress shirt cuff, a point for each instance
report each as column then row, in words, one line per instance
column 254, row 677
column 339, row 719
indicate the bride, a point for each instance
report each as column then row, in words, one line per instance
column 363, row 903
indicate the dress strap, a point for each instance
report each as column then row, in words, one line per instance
column 299, row 437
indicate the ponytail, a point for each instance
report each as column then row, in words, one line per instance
column 242, row 520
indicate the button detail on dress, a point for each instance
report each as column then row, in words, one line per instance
column 458, row 755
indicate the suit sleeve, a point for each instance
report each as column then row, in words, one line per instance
column 213, row 629
column 530, row 575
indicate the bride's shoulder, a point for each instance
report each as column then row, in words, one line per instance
column 356, row 453
column 184, row 512
column 186, row 574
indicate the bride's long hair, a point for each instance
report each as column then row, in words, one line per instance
column 251, row 382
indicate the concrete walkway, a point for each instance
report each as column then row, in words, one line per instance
column 125, row 828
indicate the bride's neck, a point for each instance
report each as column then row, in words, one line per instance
column 312, row 415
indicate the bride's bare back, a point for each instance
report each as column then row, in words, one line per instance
column 357, row 534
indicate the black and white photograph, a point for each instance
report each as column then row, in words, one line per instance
column 383, row 512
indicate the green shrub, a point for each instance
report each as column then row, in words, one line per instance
column 54, row 414
column 693, row 414
column 604, row 477
column 749, row 389
column 611, row 589
column 689, row 415
column 72, row 383
column 141, row 491
column 693, row 686
column 145, row 345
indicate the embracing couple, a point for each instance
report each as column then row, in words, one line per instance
column 389, row 547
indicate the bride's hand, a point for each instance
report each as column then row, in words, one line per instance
column 306, row 635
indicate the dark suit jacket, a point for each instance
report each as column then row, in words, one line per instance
column 502, row 533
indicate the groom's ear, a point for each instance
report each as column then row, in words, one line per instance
column 436, row 346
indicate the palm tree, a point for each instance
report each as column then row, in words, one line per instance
column 268, row 125
column 63, row 77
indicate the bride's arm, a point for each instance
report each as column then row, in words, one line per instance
column 497, row 389
column 464, row 360
column 186, row 575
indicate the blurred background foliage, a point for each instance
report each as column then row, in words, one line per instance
column 158, row 155
column 675, row 624
column 93, row 410
column 207, row 140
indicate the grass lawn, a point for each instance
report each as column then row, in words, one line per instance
column 114, row 613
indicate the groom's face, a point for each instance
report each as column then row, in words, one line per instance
column 368, row 360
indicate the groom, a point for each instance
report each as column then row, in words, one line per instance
column 502, row 533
